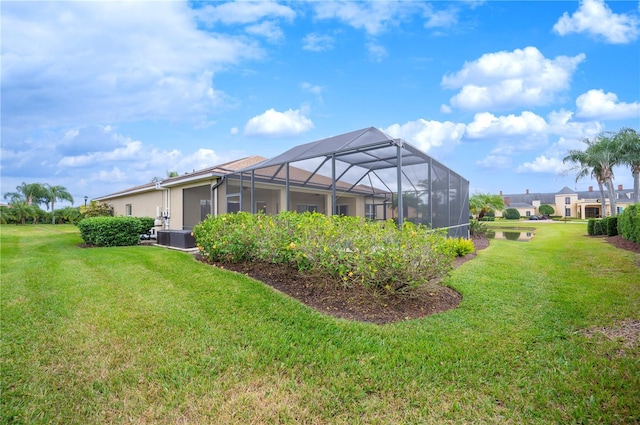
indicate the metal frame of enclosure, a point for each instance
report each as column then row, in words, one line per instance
column 396, row 180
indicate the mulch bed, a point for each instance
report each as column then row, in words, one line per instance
column 622, row 243
column 355, row 303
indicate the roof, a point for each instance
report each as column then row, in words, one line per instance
column 523, row 200
column 215, row 171
column 369, row 148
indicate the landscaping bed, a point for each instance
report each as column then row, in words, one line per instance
column 357, row 302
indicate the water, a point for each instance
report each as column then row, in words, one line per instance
column 510, row 234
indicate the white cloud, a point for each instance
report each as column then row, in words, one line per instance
column 317, row 90
column 96, row 62
column 376, row 52
column 274, row 124
column 373, row 17
column 267, row 29
column 505, row 80
column 317, row 43
column 595, row 17
column 542, row 164
column 244, row 12
column 495, row 161
column 486, row 125
column 428, row 134
column 440, row 18
column 596, row 104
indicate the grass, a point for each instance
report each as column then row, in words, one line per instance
column 148, row 335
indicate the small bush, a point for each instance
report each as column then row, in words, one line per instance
column 112, row 231
column 476, row 228
column 511, row 214
column 629, row 223
column 599, row 228
column 461, row 246
column 591, row 226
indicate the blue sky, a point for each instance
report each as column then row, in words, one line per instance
column 102, row 96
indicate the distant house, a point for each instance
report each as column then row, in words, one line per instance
column 566, row 202
column 359, row 173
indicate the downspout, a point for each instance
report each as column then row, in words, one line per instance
column 214, row 196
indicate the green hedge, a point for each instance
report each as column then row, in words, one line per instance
column 629, row 223
column 606, row 226
column 114, row 231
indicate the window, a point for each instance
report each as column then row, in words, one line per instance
column 528, row 213
column 301, row 208
column 128, row 210
column 233, row 203
column 567, row 212
column 342, row 209
column 261, row 207
column 567, row 201
column 205, row 209
column 370, row 211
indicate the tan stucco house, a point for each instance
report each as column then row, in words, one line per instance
column 566, row 202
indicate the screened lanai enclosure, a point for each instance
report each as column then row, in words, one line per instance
column 362, row 173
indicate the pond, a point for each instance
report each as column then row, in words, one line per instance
column 511, row 234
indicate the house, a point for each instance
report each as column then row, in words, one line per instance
column 566, row 202
column 359, row 173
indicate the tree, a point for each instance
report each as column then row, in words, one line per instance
column 546, row 209
column 54, row 193
column 583, row 163
column 512, row 214
column 97, row 209
column 21, row 210
column 605, row 155
column 170, row 174
column 482, row 203
column 628, row 144
column 598, row 160
column 29, row 193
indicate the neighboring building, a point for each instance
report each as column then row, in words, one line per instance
column 342, row 174
column 567, row 202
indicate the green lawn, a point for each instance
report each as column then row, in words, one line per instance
column 147, row 335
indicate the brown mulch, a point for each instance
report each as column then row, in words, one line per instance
column 622, row 243
column 355, row 303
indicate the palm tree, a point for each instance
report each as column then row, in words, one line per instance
column 628, row 143
column 21, row 210
column 586, row 168
column 482, row 203
column 600, row 156
column 54, row 193
column 29, row 193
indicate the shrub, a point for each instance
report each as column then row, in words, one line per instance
column 349, row 250
column 599, row 228
column 629, row 223
column 146, row 223
column 476, row 228
column 112, row 231
column 489, row 216
column 511, row 214
column 546, row 209
column 611, row 226
column 97, row 209
column 591, row 226
column 461, row 246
